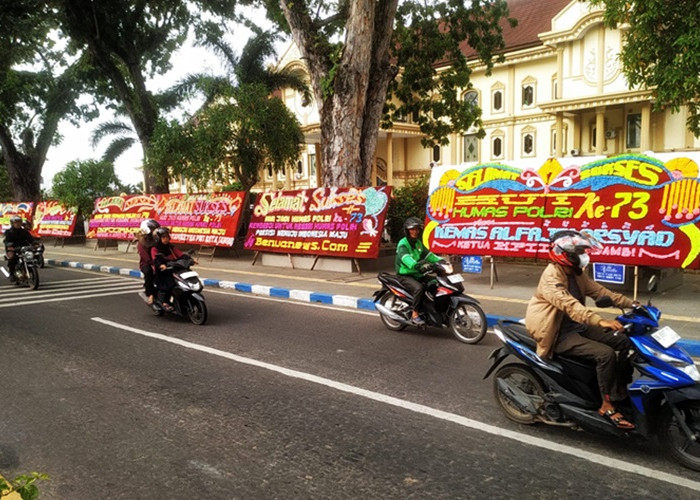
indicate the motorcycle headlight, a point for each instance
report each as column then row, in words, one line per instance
column 688, row 368
column 28, row 255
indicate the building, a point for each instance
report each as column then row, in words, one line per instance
column 561, row 78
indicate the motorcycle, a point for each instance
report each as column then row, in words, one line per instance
column 664, row 395
column 444, row 304
column 26, row 271
column 186, row 297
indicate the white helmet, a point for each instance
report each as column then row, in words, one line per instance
column 148, row 226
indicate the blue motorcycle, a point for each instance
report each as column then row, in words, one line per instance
column 664, row 394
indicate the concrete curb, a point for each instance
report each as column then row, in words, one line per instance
column 692, row 346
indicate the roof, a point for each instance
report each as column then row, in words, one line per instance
column 534, row 17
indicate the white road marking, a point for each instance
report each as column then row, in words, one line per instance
column 63, row 299
column 67, row 292
column 425, row 410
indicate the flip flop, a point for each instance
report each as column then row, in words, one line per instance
column 617, row 419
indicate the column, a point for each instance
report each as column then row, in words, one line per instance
column 600, row 131
column 645, row 139
column 319, row 163
column 389, row 158
column 559, row 132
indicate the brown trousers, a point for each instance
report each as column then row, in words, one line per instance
column 608, row 351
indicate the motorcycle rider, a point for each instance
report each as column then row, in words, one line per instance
column 144, row 245
column 559, row 321
column 162, row 253
column 412, row 260
column 15, row 238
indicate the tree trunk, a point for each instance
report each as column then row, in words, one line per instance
column 25, row 177
column 350, row 115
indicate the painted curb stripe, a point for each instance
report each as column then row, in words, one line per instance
column 692, row 346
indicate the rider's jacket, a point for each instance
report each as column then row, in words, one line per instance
column 408, row 253
column 18, row 237
column 552, row 299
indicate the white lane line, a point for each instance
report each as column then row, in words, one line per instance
column 425, row 410
column 63, row 299
column 67, row 292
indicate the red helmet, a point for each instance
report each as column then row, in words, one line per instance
column 566, row 246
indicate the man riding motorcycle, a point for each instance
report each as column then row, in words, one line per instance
column 15, row 238
column 411, row 259
column 559, row 321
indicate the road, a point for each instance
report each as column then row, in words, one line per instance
column 274, row 399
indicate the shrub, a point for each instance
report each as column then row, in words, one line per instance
column 407, row 201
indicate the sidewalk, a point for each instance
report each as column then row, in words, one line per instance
column 507, row 299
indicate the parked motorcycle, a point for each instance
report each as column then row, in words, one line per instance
column 664, row 395
column 444, row 304
column 186, row 297
column 26, row 271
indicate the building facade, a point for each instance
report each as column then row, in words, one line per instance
column 559, row 92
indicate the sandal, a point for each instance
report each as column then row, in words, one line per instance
column 167, row 307
column 618, row 419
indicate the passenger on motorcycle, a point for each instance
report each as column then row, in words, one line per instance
column 559, row 321
column 15, row 238
column 412, row 261
column 162, row 253
column 145, row 243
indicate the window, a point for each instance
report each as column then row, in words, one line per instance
column 299, row 171
column 497, row 100
column 269, row 171
column 497, row 147
column 528, row 95
column 436, row 153
column 528, row 144
column 634, row 130
column 312, row 164
column 472, row 98
column 471, row 148
column 414, row 116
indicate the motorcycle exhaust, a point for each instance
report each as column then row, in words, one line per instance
column 388, row 312
column 5, row 272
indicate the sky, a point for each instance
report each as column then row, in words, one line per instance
column 76, row 140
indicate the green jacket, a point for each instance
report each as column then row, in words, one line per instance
column 408, row 256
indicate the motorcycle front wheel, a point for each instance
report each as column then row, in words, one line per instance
column 674, row 440
column 398, row 306
column 524, row 380
column 33, row 278
column 196, row 311
column 468, row 323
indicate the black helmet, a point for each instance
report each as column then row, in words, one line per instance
column 412, row 223
column 161, row 231
column 148, row 225
column 15, row 218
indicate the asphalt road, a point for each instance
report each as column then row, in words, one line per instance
column 274, row 399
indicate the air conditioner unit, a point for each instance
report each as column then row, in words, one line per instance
column 610, row 134
column 575, row 152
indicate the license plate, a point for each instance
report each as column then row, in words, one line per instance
column 455, row 278
column 666, row 336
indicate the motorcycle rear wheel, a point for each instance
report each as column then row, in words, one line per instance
column 33, row 278
column 398, row 306
column 524, row 379
column 196, row 311
column 468, row 323
column 674, row 440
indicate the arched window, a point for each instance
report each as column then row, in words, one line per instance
column 437, row 150
column 472, row 98
column 497, row 149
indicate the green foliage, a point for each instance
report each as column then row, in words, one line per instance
column 81, row 182
column 232, row 138
column 23, row 485
column 661, row 51
column 426, row 33
column 407, row 201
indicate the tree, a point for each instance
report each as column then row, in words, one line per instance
column 82, row 182
column 386, row 51
column 127, row 42
column 661, row 50
column 233, row 137
column 35, row 98
column 239, row 128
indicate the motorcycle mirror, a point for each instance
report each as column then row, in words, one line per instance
column 653, row 284
column 604, row 301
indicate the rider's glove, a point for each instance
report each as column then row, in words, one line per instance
column 426, row 267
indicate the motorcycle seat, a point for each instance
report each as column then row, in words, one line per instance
column 388, row 278
column 518, row 332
